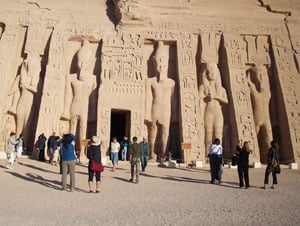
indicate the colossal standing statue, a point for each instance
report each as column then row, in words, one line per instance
column 159, row 95
column 258, row 83
column 214, row 95
column 23, row 90
column 78, row 90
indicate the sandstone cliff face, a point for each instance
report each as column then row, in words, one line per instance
column 251, row 94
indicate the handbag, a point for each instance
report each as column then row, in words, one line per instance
column 234, row 160
column 97, row 167
column 277, row 169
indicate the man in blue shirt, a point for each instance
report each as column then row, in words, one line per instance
column 125, row 143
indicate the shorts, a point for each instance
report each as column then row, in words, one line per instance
column 114, row 157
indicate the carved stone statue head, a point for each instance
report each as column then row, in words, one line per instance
column 31, row 66
column 83, row 58
column 259, row 75
column 212, row 71
column 160, row 60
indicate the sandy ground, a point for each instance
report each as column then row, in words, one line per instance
column 30, row 195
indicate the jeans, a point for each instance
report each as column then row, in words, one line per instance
column 144, row 160
column 124, row 153
column 68, row 166
column 42, row 155
column 267, row 173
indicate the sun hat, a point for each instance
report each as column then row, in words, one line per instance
column 95, row 141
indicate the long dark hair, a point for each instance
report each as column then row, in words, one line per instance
column 67, row 139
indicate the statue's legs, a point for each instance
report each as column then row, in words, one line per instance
column 73, row 125
column 82, row 136
column 266, row 140
column 218, row 126
column 164, row 139
column 208, row 126
column 13, row 108
column 152, row 136
column 20, row 125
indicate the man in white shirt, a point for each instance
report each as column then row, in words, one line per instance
column 216, row 161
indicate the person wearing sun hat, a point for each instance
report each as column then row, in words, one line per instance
column 94, row 154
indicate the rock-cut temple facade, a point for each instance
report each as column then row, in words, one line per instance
column 178, row 72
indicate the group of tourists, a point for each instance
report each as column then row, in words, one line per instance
column 53, row 145
column 137, row 153
column 123, row 146
column 241, row 157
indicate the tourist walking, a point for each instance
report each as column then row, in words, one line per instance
column 20, row 145
column 52, row 146
column 68, row 158
column 94, row 154
column 124, row 144
column 243, row 163
column 145, row 153
column 10, row 150
column 114, row 151
column 41, row 146
column 216, row 161
column 135, row 159
column 273, row 162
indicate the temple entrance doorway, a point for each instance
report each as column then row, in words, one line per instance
column 119, row 124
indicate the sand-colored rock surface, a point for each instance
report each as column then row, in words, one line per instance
column 31, row 195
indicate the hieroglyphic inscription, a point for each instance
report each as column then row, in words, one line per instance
column 137, row 122
column 189, row 94
column 237, row 58
column 8, row 61
column 122, row 64
column 288, row 78
column 52, row 101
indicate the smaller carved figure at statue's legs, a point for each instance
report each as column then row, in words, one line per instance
column 152, row 137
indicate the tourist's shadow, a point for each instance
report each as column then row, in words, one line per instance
column 121, row 179
column 37, row 168
column 54, row 184
column 176, row 178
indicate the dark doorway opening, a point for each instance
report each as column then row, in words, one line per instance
column 119, row 124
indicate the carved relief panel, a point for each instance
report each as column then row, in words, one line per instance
column 289, row 83
column 240, row 106
column 122, row 78
column 190, row 113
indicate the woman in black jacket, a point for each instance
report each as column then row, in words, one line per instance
column 243, row 163
column 273, row 161
column 94, row 154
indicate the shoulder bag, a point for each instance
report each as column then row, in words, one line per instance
column 97, row 167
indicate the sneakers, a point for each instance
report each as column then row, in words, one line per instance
column 97, row 191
